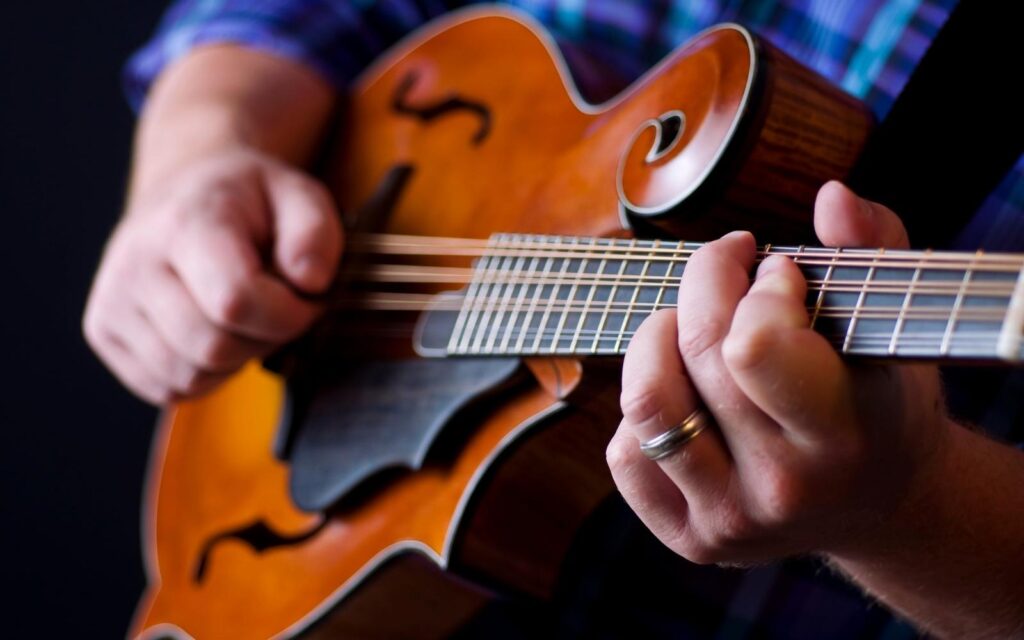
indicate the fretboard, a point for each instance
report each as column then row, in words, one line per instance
column 553, row 295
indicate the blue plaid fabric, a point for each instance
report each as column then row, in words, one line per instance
column 868, row 47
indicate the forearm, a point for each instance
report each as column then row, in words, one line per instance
column 221, row 98
column 952, row 558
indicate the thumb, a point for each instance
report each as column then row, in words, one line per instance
column 842, row 219
column 307, row 229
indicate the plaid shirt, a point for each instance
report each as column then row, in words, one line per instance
column 868, row 47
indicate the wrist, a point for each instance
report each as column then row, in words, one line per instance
column 225, row 99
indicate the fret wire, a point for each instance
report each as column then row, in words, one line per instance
column 852, row 258
column 531, row 311
column 824, row 285
column 516, row 310
column 551, row 301
column 991, row 288
column 570, row 298
column 880, row 338
column 987, row 313
column 978, row 314
column 632, row 302
column 661, row 290
column 1010, row 345
column 611, row 299
column 951, row 323
column 482, row 297
column 455, row 344
column 586, row 307
column 855, row 257
column 502, row 306
column 1011, row 260
column 493, row 297
column 496, row 295
column 852, row 327
column 904, row 308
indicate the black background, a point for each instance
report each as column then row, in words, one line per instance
column 74, row 444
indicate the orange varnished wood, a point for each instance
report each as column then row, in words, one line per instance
column 217, row 473
column 548, row 165
column 558, row 376
column 526, row 176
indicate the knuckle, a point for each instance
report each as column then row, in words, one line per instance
column 782, row 498
column 699, row 552
column 213, row 351
column 187, row 379
column 316, row 190
column 619, row 453
column 697, row 337
column 221, row 195
column 746, row 347
column 92, row 328
column 157, row 394
column 733, row 529
column 695, row 546
column 641, row 400
column 229, row 304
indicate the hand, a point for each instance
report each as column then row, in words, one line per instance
column 209, row 271
column 809, row 453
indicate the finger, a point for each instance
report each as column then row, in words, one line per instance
column 162, row 363
column 308, row 233
column 714, row 281
column 179, row 321
column 218, row 263
column 788, row 370
column 656, row 396
column 842, row 219
column 119, row 359
column 654, row 498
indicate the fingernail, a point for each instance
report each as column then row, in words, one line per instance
column 770, row 264
column 737, row 234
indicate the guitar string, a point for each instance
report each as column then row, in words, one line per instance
column 646, row 254
column 409, row 274
column 382, row 242
column 420, row 302
column 880, row 341
column 804, row 254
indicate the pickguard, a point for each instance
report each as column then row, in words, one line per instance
column 377, row 417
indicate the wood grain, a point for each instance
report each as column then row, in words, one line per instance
column 502, row 512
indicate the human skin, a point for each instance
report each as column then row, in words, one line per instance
column 224, row 236
column 223, row 233
column 811, row 454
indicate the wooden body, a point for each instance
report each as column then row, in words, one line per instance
column 520, row 152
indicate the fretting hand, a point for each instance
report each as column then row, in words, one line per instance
column 208, row 271
column 806, row 452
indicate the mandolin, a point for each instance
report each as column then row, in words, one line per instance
column 439, row 437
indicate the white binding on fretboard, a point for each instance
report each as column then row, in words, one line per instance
column 1009, row 344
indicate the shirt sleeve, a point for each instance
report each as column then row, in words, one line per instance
column 336, row 38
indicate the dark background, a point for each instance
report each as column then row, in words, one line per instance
column 74, row 444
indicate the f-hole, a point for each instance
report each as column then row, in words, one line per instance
column 452, row 103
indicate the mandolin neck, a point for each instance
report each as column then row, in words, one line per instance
column 553, row 295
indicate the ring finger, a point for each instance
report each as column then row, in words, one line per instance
column 657, row 397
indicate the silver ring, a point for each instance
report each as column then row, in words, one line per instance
column 672, row 440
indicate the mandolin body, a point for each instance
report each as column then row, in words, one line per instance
column 473, row 126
